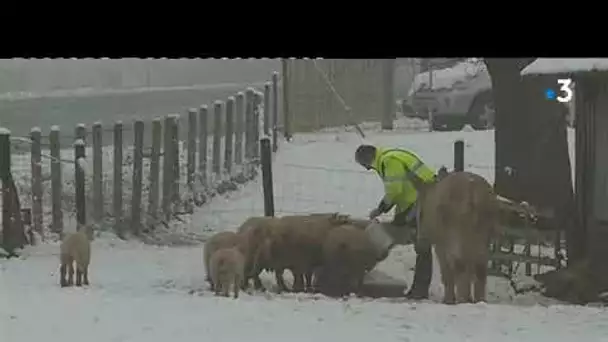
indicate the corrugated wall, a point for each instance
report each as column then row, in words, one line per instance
column 362, row 83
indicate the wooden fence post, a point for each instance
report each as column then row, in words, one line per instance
column 255, row 150
column 217, row 140
column 176, row 159
column 203, row 138
column 267, row 109
column 275, row 110
column 191, row 160
column 388, row 116
column 286, row 121
column 168, row 152
column 266, row 155
column 56, row 180
column 229, row 138
column 138, row 168
column 79, row 182
column 117, row 180
column 5, row 175
column 154, row 176
column 98, row 200
column 239, row 128
column 36, row 158
column 459, row 155
column 249, row 103
column 80, row 132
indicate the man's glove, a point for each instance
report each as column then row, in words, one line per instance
column 382, row 208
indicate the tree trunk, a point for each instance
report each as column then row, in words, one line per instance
column 532, row 161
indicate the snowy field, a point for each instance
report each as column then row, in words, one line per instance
column 148, row 293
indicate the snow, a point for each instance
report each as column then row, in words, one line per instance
column 36, row 130
column 446, row 78
column 84, row 166
column 4, row 131
column 149, row 293
column 565, row 65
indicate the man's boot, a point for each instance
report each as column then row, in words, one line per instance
column 423, row 273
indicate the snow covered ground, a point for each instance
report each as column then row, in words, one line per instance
column 150, row 293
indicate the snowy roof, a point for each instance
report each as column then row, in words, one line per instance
column 544, row 66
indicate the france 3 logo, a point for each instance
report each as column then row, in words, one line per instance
column 565, row 89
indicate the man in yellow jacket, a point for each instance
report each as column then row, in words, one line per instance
column 399, row 170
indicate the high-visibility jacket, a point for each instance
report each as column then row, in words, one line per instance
column 390, row 164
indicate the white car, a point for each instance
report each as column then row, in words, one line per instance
column 459, row 95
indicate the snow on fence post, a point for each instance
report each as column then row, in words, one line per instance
column 5, row 174
column 229, row 138
column 266, row 155
column 98, row 202
column 167, row 169
column 239, row 128
column 138, row 168
column 117, row 179
column 154, row 172
column 203, row 138
column 36, row 158
column 459, row 155
column 249, row 132
column 56, row 180
column 249, row 101
column 217, row 140
column 267, row 109
column 175, row 143
column 191, row 162
column 255, row 149
column 79, row 182
column 80, row 132
column 275, row 110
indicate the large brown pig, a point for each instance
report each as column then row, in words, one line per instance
column 458, row 216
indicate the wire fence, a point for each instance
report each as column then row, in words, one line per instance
column 141, row 174
column 331, row 183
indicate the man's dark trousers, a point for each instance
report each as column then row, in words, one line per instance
column 423, row 271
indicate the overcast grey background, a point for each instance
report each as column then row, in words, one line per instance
column 48, row 92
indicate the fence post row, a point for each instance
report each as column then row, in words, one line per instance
column 242, row 147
